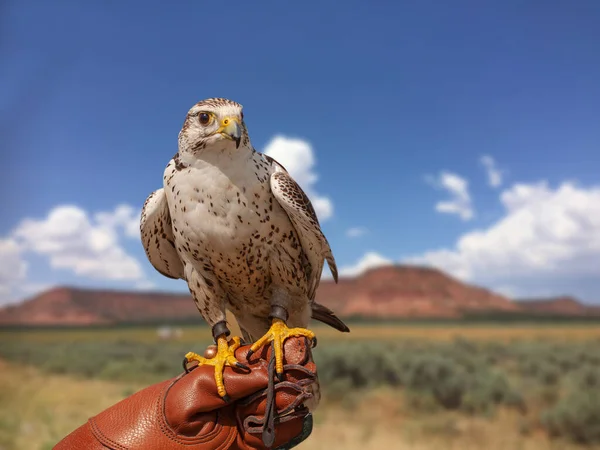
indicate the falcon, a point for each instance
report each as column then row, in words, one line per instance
column 234, row 225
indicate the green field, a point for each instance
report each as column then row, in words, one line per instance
column 422, row 386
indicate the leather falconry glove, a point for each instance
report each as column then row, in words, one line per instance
column 187, row 412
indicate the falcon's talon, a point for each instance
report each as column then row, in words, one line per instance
column 277, row 334
column 225, row 356
column 239, row 365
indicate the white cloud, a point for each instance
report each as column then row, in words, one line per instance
column 88, row 247
column 298, row 158
column 548, row 239
column 13, row 269
column 124, row 218
column 356, row 232
column 458, row 188
column 493, row 173
column 370, row 260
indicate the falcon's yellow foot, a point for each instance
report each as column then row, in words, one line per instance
column 225, row 356
column 277, row 334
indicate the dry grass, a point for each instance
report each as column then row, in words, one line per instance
column 37, row 413
column 437, row 332
column 37, row 410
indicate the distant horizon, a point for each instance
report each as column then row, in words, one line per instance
column 347, row 277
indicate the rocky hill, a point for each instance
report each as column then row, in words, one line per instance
column 408, row 291
column 391, row 292
column 558, row 306
column 73, row 306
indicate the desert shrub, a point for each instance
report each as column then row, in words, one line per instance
column 548, row 361
column 542, row 368
column 423, row 402
column 566, row 361
column 593, row 356
column 514, row 399
column 453, row 376
column 495, row 352
column 438, row 376
column 548, row 374
column 587, row 378
column 361, row 365
column 476, row 402
column 495, row 386
column 465, row 345
column 575, row 417
column 338, row 389
column 546, row 395
column 119, row 361
column 488, row 389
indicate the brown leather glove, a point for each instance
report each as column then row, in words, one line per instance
column 186, row 412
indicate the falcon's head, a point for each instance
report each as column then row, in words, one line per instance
column 214, row 124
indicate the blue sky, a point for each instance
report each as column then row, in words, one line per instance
column 396, row 102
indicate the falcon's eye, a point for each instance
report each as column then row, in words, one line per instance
column 204, row 118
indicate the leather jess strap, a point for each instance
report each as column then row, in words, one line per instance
column 266, row 424
column 268, row 433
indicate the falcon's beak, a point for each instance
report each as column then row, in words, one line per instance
column 231, row 129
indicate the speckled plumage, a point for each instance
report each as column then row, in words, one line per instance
column 234, row 224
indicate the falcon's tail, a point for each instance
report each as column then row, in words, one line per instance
column 325, row 315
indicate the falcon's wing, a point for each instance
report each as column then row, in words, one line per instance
column 302, row 215
column 157, row 236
